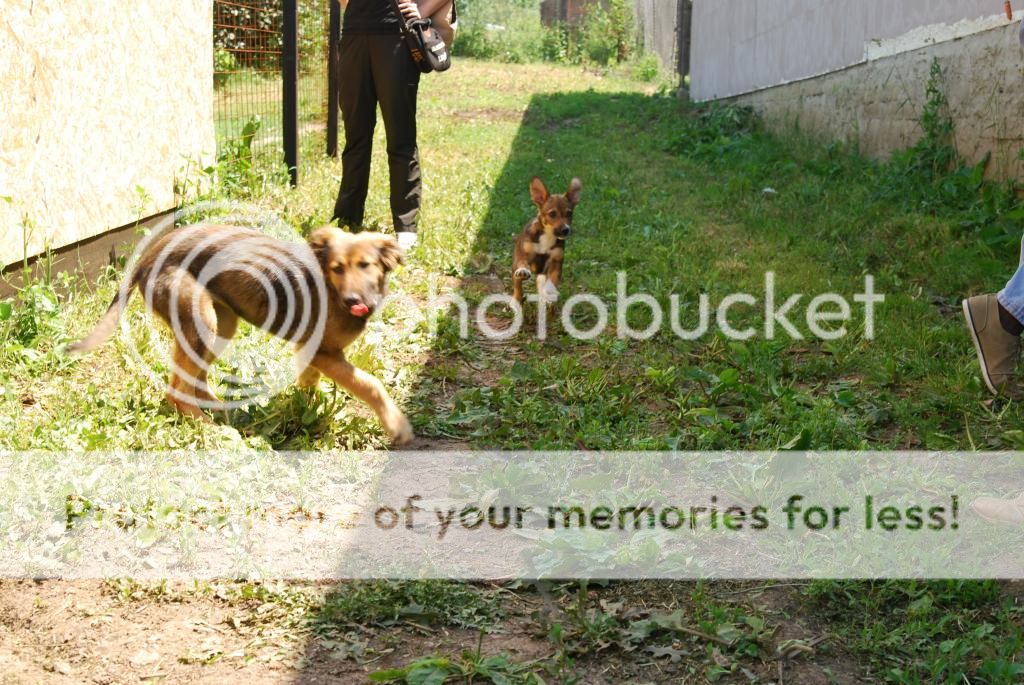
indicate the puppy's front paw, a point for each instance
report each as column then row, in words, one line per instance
column 400, row 430
column 523, row 273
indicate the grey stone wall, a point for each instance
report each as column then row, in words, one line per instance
column 877, row 104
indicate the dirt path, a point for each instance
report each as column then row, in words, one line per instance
column 89, row 632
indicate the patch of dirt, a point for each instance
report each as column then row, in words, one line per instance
column 77, row 632
column 74, row 632
column 80, row 632
column 488, row 114
column 780, row 604
column 437, row 444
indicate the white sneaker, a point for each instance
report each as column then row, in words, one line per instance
column 406, row 240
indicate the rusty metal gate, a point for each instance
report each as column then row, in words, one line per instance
column 274, row 73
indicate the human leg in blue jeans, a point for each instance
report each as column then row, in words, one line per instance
column 1012, row 296
column 994, row 322
column 997, row 351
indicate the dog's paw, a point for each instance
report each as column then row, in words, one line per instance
column 400, row 430
column 186, row 408
column 523, row 273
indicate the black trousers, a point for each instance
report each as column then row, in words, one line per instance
column 378, row 69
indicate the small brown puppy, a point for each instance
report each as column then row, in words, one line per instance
column 201, row 279
column 540, row 248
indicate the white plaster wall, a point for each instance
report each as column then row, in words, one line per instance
column 97, row 99
column 741, row 46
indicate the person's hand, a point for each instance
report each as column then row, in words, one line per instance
column 409, row 10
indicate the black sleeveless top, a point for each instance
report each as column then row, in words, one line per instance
column 370, row 16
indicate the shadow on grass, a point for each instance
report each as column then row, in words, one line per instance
column 692, row 226
column 561, row 136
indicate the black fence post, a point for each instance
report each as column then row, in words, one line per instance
column 333, row 77
column 684, row 28
column 290, row 87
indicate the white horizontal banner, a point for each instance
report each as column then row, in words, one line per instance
column 499, row 515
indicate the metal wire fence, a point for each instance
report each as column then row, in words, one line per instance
column 249, row 44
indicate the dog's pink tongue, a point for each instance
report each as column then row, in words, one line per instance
column 359, row 310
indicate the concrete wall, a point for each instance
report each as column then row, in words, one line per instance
column 744, row 45
column 877, row 104
column 98, row 98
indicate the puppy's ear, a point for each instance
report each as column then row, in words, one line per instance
column 320, row 241
column 573, row 194
column 538, row 192
column 389, row 253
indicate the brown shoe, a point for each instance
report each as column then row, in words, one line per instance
column 1000, row 510
column 997, row 349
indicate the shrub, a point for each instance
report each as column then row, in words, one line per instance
column 235, row 169
column 312, row 37
column 715, row 130
column 606, row 36
column 224, row 63
column 502, row 30
column 555, row 44
column 932, row 177
column 646, row 68
column 246, row 27
column 511, row 31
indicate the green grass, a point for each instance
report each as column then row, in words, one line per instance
column 680, row 218
column 248, row 94
column 376, row 603
column 935, row 632
column 512, row 31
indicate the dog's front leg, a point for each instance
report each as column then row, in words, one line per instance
column 520, row 272
column 370, row 390
column 308, row 375
column 548, row 282
column 553, row 269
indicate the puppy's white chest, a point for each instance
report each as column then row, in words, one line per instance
column 546, row 242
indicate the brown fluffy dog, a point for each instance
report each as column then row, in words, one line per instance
column 201, row 279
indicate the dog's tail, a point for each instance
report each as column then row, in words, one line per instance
column 105, row 327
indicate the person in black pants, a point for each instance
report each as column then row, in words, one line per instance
column 376, row 67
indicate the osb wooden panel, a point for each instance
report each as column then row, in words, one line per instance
column 98, row 100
